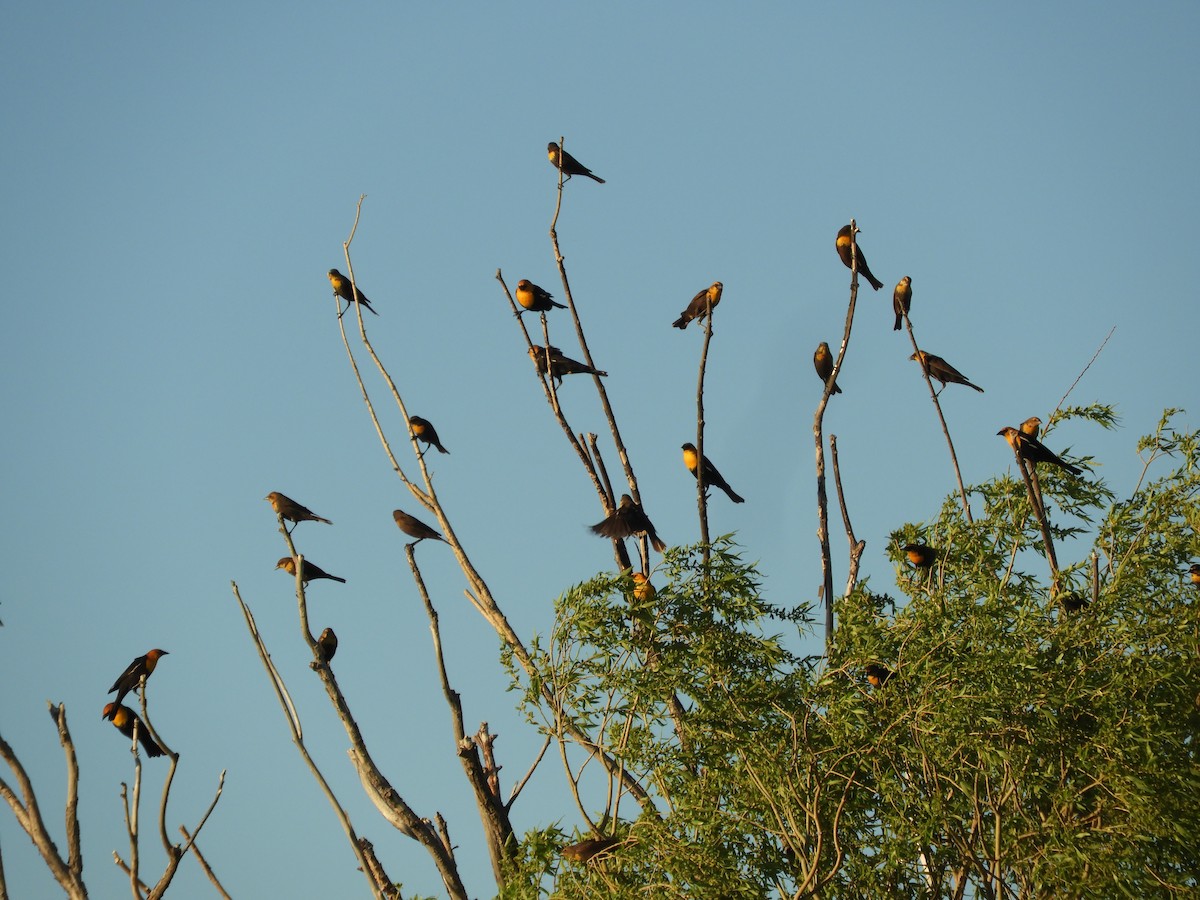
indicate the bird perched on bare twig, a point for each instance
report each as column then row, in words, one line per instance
column 919, row 555
column 535, row 299
column 823, row 363
column 712, row 478
column 902, row 301
column 327, row 645
column 289, row 510
column 627, row 520
column 700, row 305
column 344, row 289
column 124, row 719
column 309, row 571
column 570, row 165
column 560, row 365
column 414, row 527
column 939, row 369
column 843, row 249
column 1032, row 450
column 1031, row 426
column 140, row 668
column 423, row 430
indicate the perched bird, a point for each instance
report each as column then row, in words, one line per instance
column 570, row 165
column 1073, row 602
column 902, row 301
column 584, row 851
column 823, row 362
column 843, row 249
column 712, row 478
column 327, row 644
column 627, row 520
column 414, row 527
column 423, row 430
column 124, row 719
column 345, row 290
column 287, row 508
column 877, row 674
column 919, row 555
column 938, row 368
column 698, row 308
column 310, row 572
column 1194, row 574
column 533, row 298
column 1031, row 426
column 560, row 365
column 1032, row 450
column 138, row 669
column 643, row 590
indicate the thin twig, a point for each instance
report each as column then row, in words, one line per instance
column 856, row 546
column 1084, row 372
column 205, row 867
column 701, row 487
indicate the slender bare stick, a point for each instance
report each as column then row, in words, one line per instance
column 1039, row 513
column 701, row 487
column 207, row 869
column 856, row 546
column 1084, row 372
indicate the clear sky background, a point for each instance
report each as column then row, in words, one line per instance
column 179, row 178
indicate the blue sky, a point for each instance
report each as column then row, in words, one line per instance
column 179, row 179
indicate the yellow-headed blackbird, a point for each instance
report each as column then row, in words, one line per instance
column 414, row 527
column 534, row 298
column 560, row 365
column 137, row 670
column 843, row 249
column 124, row 718
column 1032, row 450
column 877, row 674
column 902, row 301
column 941, row 370
column 343, row 288
column 627, row 520
column 643, row 590
column 586, row 850
column 1031, row 426
column 327, row 644
column 823, row 362
column 698, row 308
column 1194, row 574
column 919, row 555
column 310, row 572
column 570, row 165
column 423, row 430
column 290, row 510
column 1072, row 601
column 712, row 478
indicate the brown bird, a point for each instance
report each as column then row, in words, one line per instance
column 414, row 527
column 627, row 520
column 823, row 362
column 919, row 555
column 560, row 365
column 1194, row 574
column 698, row 308
column 570, row 165
column 287, row 508
column 584, row 851
column 1031, row 426
column 310, row 571
column 534, row 298
column 902, row 301
column 1032, row 450
column 327, row 645
column 938, row 368
column 423, row 430
column 124, row 719
column 1073, row 602
column 712, row 478
column 140, row 668
column 877, row 674
column 843, row 249
column 643, row 590
column 344, row 289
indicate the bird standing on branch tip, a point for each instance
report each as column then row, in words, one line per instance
column 423, row 430
column 843, row 249
column 344, row 289
column 570, row 165
column 1032, row 450
column 1031, row 426
column 137, row 670
column 414, row 527
column 627, row 520
column 938, row 368
column 535, row 299
column 124, row 719
column 919, row 555
column 288, row 509
column 877, row 674
column 712, row 478
column 823, row 363
column 308, row 572
column 327, row 645
column 902, row 301
column 560, row 365
column 700, row 305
